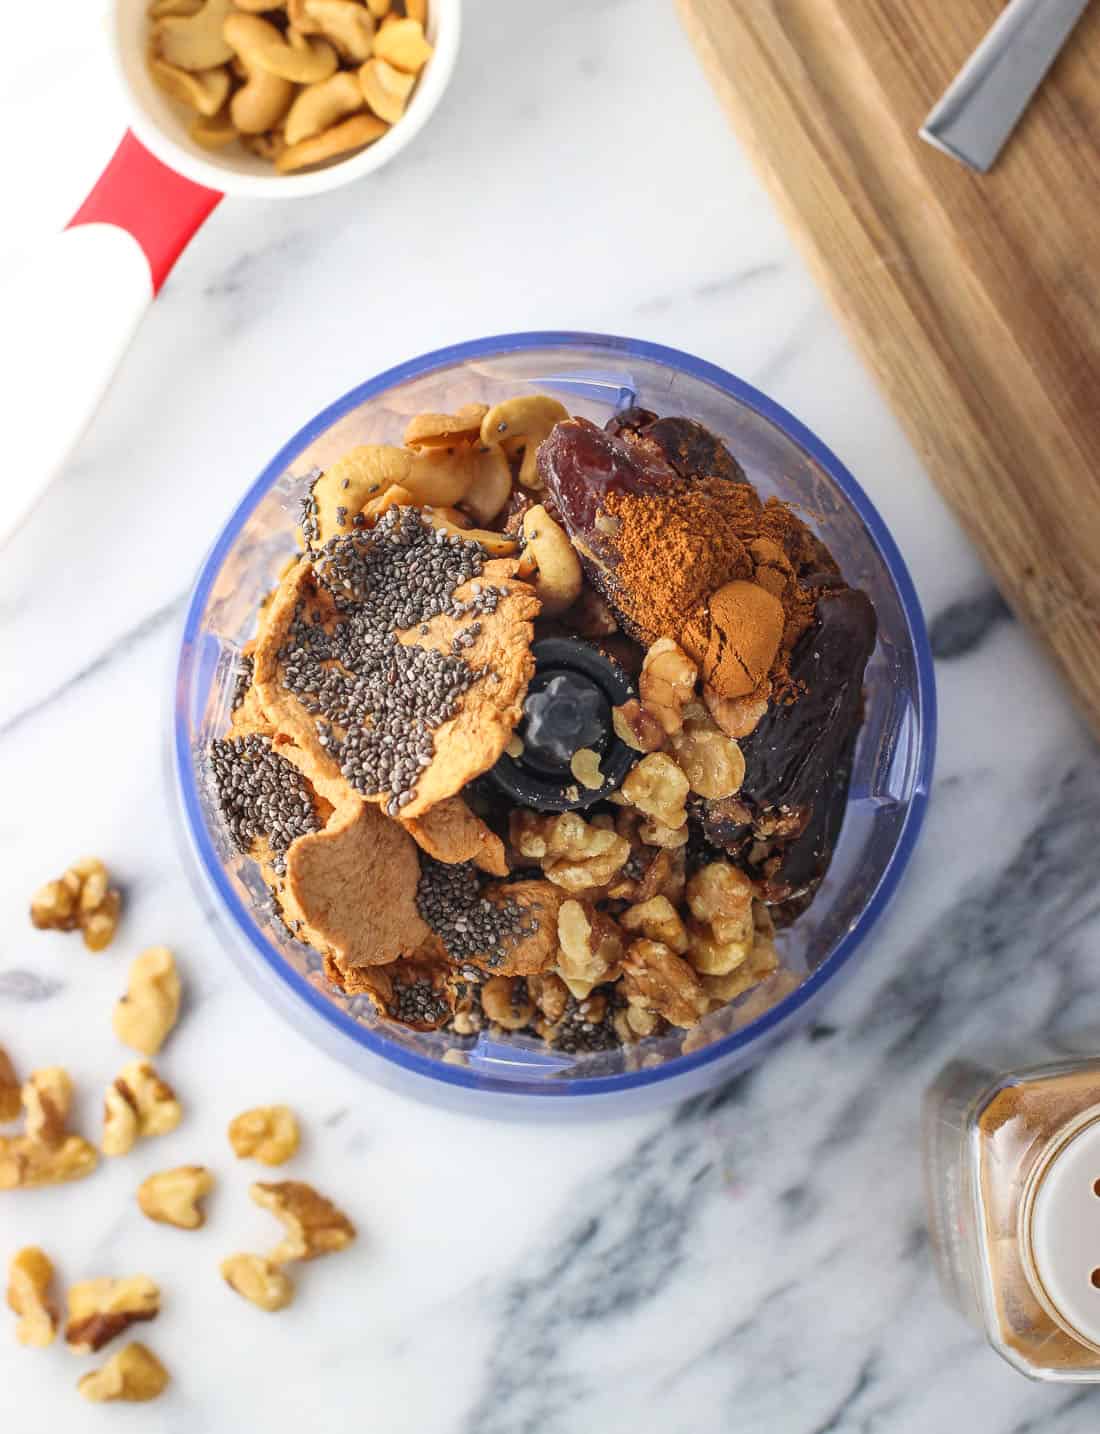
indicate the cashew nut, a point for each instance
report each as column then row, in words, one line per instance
column 341, row 139
column 306, row 62
column 160, row 8
column 300, row 20
column 402, row 43
column 349, row 25
column 264, row 99
column 322, row 105
column 491, row 486
column 558, row 579
column 417, row 10
column 439, row 475
column 385, row 89
column 213, row 131
column 378, row 8
column 497, row 545
column 195, row 42
column 427, row 430
column 522, row 423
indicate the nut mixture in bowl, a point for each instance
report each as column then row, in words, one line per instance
column 547, row 728
column 298, row 82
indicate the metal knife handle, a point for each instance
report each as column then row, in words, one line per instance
column 985, row 101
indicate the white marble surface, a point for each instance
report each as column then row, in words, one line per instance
column 754, row 1262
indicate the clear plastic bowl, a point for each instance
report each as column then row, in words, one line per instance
column 594, row 375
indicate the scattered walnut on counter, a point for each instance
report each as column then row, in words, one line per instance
column 10, row 1099
column 134, row 1375
column 101, row 1309
column 267, row 1133
column 82, row 899
column 172, row 1197
column 30, row 1274
column 146, row 1014
column 47, row 1100
column 258, row 1280
column 314, row 1225
column 26, row 1164
column 137, row 1104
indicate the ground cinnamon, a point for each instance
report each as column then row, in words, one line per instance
column 677, row 550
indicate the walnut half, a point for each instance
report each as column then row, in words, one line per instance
column 267, row 1133
column 314, row 1226
column 151, row 1005
column 30, row 1275
column 100, row 1309
column 258, row 1280
column 80, row 899
column 137, row 1104
column 172, row 1197
column 134, row 1375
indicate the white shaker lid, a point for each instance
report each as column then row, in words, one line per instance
column 1065, row 1233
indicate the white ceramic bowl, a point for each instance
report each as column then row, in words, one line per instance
column 161, row 127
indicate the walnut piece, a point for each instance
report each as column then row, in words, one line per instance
column 314, row 1226
column 145, row 1015
column 171, row 1197
column 658, row 788
column 590, row 947
column 550, row 994
column 267, row 1133
column 581, row 856
column 585, row 766
column 100, row 1309
column 639, row 728
column 82, row 899
column 258, row 1280
column 26, row 1163
column 47, row 1100
column 711, row 761
column 659, row 981
column 655, row 833
column 137, row 1104
column 737, row 716
column 30, row 1274
column 667, row 683
column 657, row 920
column 507, row 1003
column 10, row 1099
column 721, row 896
column 134, row 1375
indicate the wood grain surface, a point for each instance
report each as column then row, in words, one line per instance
column 975, row 299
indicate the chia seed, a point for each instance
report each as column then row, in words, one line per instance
column 260, row 795
column 243, row 680
column 418, row 1004
column 448, row 897
column 380, row 700
column 576, row 1034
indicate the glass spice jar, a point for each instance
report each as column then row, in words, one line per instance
column 1011, row 1148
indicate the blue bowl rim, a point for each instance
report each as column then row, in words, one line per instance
column 786, row 1009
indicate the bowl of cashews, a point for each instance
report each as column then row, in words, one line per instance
column 274, row 98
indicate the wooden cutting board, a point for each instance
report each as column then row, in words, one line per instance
column 975, row 299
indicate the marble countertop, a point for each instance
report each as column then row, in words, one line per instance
column 754, row 1261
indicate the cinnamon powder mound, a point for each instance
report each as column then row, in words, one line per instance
column 676, row 552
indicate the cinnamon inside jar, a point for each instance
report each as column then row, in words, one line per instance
column 1019, row 1131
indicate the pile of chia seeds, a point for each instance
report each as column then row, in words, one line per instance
column 243, row 680
column 260, row 794
column 418, row 1003
column 575, row 1033
column 449, row 899
column 386, row 699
